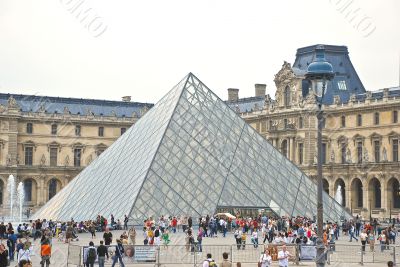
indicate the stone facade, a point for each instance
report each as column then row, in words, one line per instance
column 360, row 141
column 46, row 150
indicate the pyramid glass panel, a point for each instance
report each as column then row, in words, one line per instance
column 189, row 155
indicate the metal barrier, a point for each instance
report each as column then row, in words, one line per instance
column 194, row 255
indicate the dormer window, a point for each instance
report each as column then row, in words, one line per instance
column 342, row 85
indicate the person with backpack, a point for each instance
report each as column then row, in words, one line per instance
column 265, row 259
column 91, row 255
column 209, row 262
column 119, row 251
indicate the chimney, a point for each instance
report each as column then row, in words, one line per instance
column 260, row 89
column 233, row 94
column 126, row 98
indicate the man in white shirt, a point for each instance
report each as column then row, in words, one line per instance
column 283, row 257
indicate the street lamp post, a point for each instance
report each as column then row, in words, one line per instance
column 319, row 72
column 390, row 211
column 370, row 211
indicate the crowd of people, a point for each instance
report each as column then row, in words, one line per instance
column 158, row 232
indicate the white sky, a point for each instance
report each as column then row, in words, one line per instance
column 148, row 46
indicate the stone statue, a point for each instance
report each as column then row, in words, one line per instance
column 42, row 109
column 134, row 115
column 2, row 108
column 332, row 156
column 365, row 155
column 66, row 111
column 12, row 103
column 66, row 161
column 9, row 159
column 348, row 156
column 384, row 154
column 89, row 159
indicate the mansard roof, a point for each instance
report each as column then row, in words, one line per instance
column 35, row 103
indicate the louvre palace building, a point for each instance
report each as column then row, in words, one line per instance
column 46, row 141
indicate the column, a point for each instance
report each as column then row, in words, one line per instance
column 348, row 192
column 293, row 149
column 384, row 194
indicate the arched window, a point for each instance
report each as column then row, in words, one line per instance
column 52, row 188
column 28, row 190
column 287, row 96
column 284, row 148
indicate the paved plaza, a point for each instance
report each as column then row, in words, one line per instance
column 347, row 253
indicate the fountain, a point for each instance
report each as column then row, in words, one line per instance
column 338, row 195
column 11, row 194
column 21, row 199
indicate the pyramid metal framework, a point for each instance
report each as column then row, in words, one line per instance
column 188, row 155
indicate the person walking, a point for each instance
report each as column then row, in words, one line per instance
column 90, row 256
column 225, row 262
column 371, row 239
column 265, row 259
column 126, row 219
column 45, row 251
column 351, row 232
column 119, row 251
column 382, row 239
column 102, row 252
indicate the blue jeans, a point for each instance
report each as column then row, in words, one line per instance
column 115, row 260
column 101, row 261
column 199, row 246
column 352, row 236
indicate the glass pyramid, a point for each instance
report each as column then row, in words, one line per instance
column 187, row 156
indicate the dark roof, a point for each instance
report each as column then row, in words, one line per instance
column 33, row 103
column 344, row 70
column 247, row 104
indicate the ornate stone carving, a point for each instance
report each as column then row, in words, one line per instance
column 66, row 111
column 336, row 99
column 284, row 75
column 2, row 108
column 12, row 103
column 368, row 94
column 42, row 109
column 43, row 160
column 352, row 98
column 134, row 115
column 365, row 155
column 310, row 99
column 89, row 159
column 332, row 156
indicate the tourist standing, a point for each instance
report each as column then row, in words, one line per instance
column 90, row 256
column 209, row 262
column 126, row 219
column 107, row 237
column 225, row 262
column 363, row 238
column 3, row 256
column 265, row 259
column 283, row 257
column 24, row 253
column 382, row 239
column 371, row 239
column 102, row 252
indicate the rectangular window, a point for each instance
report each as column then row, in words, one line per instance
column 123, row 130
column 101, row 131
column 359, row 120
column 377, row 150
column 78, row 130
column 301, row 123
column 343, row 121
column 395, row 119
column 359, row 152
column 376, row 118
column 263, row 126
column 342, row 85
column 323, row 153
column 29, row 128
column 54, row 129
column 301, row 148
column 77, row 157
column 29, row 156
column 343, row 150
column 53, row 156
column 395, row 150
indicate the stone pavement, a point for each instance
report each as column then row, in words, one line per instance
column 348, row 253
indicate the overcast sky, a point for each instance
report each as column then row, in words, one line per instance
column 108, row 49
